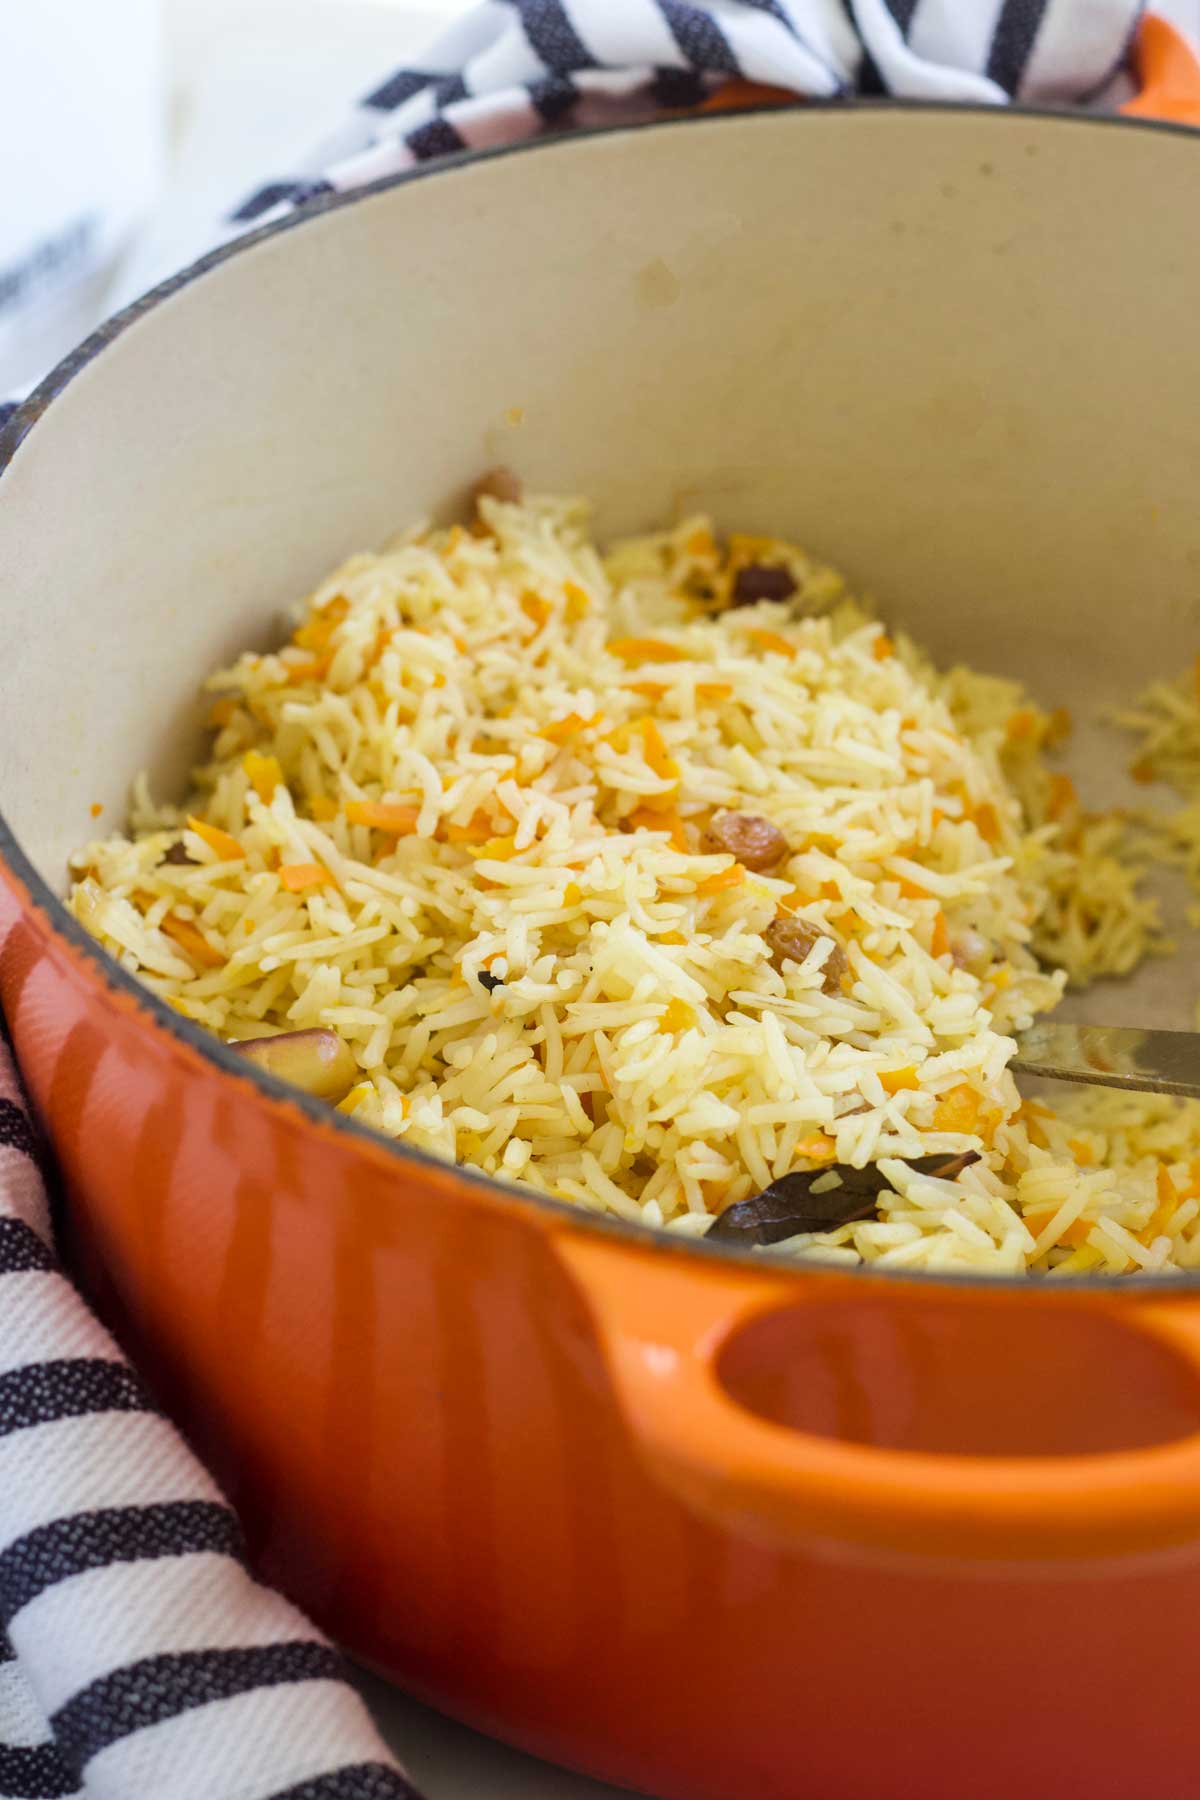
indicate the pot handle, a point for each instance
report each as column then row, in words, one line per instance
column 791, row 1487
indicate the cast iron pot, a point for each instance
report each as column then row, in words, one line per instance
column 707, row 1524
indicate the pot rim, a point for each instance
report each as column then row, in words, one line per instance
column 190, row 1038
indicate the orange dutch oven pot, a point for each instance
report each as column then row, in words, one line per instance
column 703, row 1523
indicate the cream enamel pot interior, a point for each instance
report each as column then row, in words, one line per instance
column 613, row 1499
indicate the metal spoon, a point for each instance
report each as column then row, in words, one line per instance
column 1117, row 1056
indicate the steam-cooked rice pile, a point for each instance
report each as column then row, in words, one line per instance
column 476, row 818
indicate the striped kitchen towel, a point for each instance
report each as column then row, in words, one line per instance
column 139, row 1659
column 510, row 69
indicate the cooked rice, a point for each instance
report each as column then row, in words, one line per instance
column 548, row 731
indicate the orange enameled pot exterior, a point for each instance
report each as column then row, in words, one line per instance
column 407, row 1397
column 700, row 1524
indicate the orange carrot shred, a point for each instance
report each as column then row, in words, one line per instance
column 382, row 815
column 264, row 773
column 96, row 808
column 638, row 650
column 192, row 941
column 226, row 847
column 477, row 830
column 818, row 1148
column 535, row 608
column 882, row 648
column 771, row 640
column 893, row 1081
column 652, row 818
column 724, row 878
column 296, row 876
column 939, row 943
column 221, row 712
column 957, row 1110
column 676, row 1015
column 657, row 754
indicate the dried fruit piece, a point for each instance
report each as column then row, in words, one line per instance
column 497, row 484
column 317, row 1061
column 792, row 939
column 762, row 581
column 177, row 855
column 755, row 842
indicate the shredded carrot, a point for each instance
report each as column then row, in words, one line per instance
column 936, row 817
column 559, row 730
column 535, row 608
column 939, row 943
column 1082, row 1152
column 649, row 690
column 226, row 847
column 96, row 808
column 264, row 773
column 1022, row 724
column 701, row 543
column 819, row 1148
column 712, row 691
column 1164, row 1212
column 987, row 822
column 652, row 818
column 221, row 712
column 1075, row 1234
column 1063, row 798
column 957, row 1110
column 323, row 808
column 892, row 1081
column 910, row 891
column 383, row 815
column 676, row 1015
column 319, row 627
column 724, row 878
column 310, row 668
column 192, row 941
column 657, row 755
column 990, row 1122
column 579, row 601
column 771, row 640
column 882, row 648
column 296, row 876
column 497, row 849
column 477, row 830
column 382, row 639
column 639, row 650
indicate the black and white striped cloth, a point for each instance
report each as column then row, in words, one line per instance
column 139, row 1660
column 510, row 69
